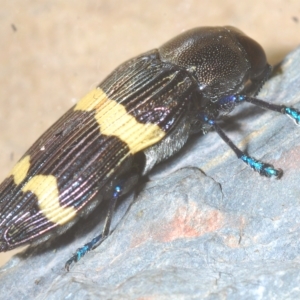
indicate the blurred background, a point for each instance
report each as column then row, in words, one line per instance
column 53, row 52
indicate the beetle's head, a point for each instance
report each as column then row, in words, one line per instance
column 223, row 60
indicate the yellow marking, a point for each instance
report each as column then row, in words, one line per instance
column 114, row 120
column 45, row 189
column 20, row 170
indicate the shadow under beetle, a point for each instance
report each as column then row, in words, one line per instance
column 140, row 115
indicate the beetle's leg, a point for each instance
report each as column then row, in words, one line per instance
column 96, row 241
column 122, row 187
column 258, row 166
column 232, row 100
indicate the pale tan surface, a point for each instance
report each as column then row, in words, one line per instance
column 53, row 52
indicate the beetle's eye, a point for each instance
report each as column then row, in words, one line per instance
column 255, row 54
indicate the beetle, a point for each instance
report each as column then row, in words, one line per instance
column 140, row 115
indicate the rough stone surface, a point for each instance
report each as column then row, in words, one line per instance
column 204, row 226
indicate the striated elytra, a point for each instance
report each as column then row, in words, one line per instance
column 140, row 115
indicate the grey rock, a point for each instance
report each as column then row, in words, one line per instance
column 204, row 226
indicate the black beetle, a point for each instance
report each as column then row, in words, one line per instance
column 140, row 115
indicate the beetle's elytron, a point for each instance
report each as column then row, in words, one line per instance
column 140, row 115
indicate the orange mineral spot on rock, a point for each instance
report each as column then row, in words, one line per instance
column 232, row 241
column 188, row 221
column 191, row 222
